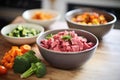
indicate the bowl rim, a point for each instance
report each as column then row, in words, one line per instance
column 79, row 9
column 9, row 25
column 67, row 53
column 37, row 9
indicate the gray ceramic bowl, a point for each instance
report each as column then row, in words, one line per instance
column 98, row 30
column 67, row 60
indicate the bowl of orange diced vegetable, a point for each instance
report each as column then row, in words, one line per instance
column 44, row 17
column 94, row 20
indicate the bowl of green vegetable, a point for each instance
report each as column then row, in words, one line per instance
column 21, row 33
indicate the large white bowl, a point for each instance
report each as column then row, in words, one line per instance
column 46, row 23
column 21, row 40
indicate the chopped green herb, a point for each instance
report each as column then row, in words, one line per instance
column 66, row 37
column 49, row 36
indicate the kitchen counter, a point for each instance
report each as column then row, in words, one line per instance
column 104, row 65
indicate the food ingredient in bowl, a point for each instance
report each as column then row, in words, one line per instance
column 90, row 18
column 42, row 16
column 22, row 31
column 66, row 41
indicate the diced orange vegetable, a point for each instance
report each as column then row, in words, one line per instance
column 3, row 61
column 8, row 58
column 42, row 16
column 89, row 18
column 25, row 48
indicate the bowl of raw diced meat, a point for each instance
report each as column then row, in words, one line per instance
column 67, row 48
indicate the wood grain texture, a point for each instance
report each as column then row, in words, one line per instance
column 104, row 64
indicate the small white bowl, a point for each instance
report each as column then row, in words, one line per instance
column 46, row 23
column 21, row 40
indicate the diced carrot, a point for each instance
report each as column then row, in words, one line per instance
column 19, row 54
column 9, row 56
column 3, row 61
column 6, row 65
column 25, row 48
column 12, row 60
column 10, row 65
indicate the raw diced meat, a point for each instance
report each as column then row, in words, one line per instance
column 70, row 43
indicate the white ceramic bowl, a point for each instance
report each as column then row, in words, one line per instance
column 46, row 23
column 21, row 40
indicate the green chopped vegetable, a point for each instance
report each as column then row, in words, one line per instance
column 30, row 55
column 22, row 31
column 49, row 36
column 20, row 28
column 66, row 37
column 41, row 69
column 37, row 68
column 22, row 63
column 30, row 71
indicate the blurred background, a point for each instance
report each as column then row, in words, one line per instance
column 10, row 9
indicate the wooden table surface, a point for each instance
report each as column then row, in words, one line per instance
column 104, row 65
